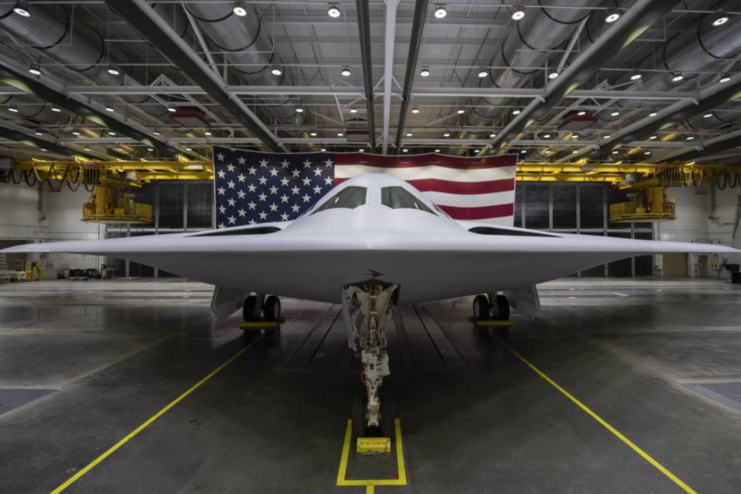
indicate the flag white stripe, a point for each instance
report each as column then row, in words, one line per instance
column 423, row 172
column 471, row 200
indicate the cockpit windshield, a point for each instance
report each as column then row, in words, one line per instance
column 348, row 198
column 400, row 198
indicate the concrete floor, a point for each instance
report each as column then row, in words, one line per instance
column 83, row 364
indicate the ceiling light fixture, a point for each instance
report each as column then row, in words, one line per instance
column 301, row 110
column 547, row 136
column 720, row 18
column 415, row 110
column 346, row 72
column 13, row 109
column 409, row 134
column 334, row 11
column 188, row 149
column 635, row 76
column 652, row 138
column 425, row 72
column 340, row 134
column 582, row 113
column 677, row 77
column 150, row 149
column 75, row 133
column 441, row 12
column 612, row 16
column 553, row 75
column 607, row 136
column 323, row 150
column 113, row 70
column 353, row 110
column 574, row 152
column 171, row 109
column 691, row 138
column 39, row 133
column 652, row 114
column 492, row 135
column 707, row 115
column 43, row 149
column 447, row 134
column 437, row 150
column 156, row 133
column 21, row 9
column 518, row 15
column 405, row 150
column 207, row 133
column 615, row 114
column 55, row 109
column 523, row 151
column 86, row 149
column 724, row 77
column 647, row 152
column 110, row 109
column 574, row 136
column 277, row 71
column 239, row 9
column 312, row 134
column 111, row 133
column 516, row 112
column 460, row 111
column 483, row 72
column 35, row 69
column 614, row 152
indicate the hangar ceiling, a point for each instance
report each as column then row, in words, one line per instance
column 84, row 78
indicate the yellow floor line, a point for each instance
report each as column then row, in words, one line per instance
column 151, row 420
column 599, row 419
column 371, row 483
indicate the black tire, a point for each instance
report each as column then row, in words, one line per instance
column 250, row 312
column 358, row 415
column 272, row 309
column 481, row 308
column 387, row 416
column 502, row 308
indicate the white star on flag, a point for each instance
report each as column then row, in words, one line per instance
column 263, row 163
column 220, row 156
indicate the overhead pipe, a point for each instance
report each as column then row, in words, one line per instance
column 52, row 31
column 418, row 25
column 153, row 28
column 637, row 20
column 365, row 51
column 246, row 43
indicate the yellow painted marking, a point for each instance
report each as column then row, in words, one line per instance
column 599, row 419
column 151, row 420
column 371, row 483
column 371, row 489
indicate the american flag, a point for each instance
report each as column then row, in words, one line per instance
column 253, row 187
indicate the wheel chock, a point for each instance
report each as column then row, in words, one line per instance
column 373, row 445
column 258, row 325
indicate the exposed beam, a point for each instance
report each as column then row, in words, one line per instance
column 365, row 51
column 630, row 25
column 42, row 86
column 388, row 69
column 15, row 136
column 154, row 29
column 420, row 15
column 709, row 148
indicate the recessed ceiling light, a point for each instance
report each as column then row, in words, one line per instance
column 518, row 14
column 652, row 114
column 239, row 9
column 334, row 11
column 21, row 9
column 346, row 72
column 425, row 72
column 516, row 112
column 353, row 110
column 13, row 109
column 108, row 108
column 552, row 75
column 447, row 134
column 409, row 134
column 277, row 71
column 415, row 110
column 635, row 76
column 615, row 114
column 299, row 109
column 483, row 73
column 725, row 78
column 55, row 109
column 707, row 115
column 677, row 77
column 35, row 69
column 440, row 11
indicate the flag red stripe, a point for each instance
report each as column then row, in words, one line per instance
column 457, row 162
column 479, row 213
column 450, row 187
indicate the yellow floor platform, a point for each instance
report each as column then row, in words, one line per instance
column 257, row 325
column 373, row 445
column 491, row 324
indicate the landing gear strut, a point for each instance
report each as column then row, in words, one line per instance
column 372, row 414
column 256, row 306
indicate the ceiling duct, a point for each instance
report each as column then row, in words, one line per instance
column 50, row 29
column 532, row 43
column 246, row 43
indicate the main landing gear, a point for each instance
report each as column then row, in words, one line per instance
column 368, row 306
column 257, row 306
column 492, row 310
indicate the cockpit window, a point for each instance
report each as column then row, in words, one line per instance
column 348, row 198
column 400, row 198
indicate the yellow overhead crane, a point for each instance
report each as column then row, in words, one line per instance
column 113, row 181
